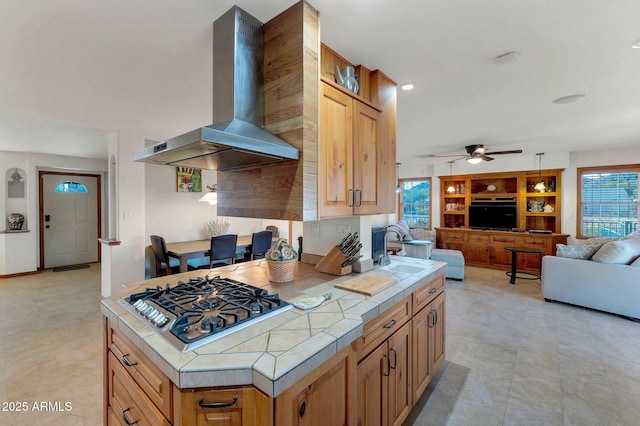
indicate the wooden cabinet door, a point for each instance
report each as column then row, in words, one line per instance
column 335, row 174
column 366, row 176
column 422, row 369
column 400, row 381
column 500, row 256
column 323, row 397
column 477, row 253
column 437, row 332
column 373, row 383
column 232, row 406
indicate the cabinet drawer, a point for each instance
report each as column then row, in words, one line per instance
column 113, row 420
column 127, row 399
column 384, row 325
column 426, row 294
column 151, row 380
column 537, row 242
column 508, row 239
column 231, row 406
column 474, row 238
column 453, row 236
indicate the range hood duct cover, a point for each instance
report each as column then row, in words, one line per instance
column 236, row 139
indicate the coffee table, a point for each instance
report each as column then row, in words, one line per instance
column 514, row 273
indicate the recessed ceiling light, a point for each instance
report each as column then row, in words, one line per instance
column 636, row 44
column 569, row 99
column 407, row 86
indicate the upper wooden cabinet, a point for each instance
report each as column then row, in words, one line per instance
column 349, row 151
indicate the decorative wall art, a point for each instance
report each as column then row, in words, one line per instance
column 189, row 179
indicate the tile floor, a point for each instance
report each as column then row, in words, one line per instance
column 512, row 359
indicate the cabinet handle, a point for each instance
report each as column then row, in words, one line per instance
column 433, row 319
column 303, row 408
column 390, row 325
column 360, row 197
column 203, row 404
column 126, row 420
column 127, row 362
column 388, row 366
column 395, row 358
column 351, row 198
column 435, row 314
column 433, row 291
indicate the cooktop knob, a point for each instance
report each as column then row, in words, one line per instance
column 157, row 320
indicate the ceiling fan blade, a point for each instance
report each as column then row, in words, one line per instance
column 440, row 156
column 485, row 158
column 514, row 151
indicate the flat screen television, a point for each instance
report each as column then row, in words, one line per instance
column 502, row 216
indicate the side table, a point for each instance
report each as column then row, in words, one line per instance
column 514, row 264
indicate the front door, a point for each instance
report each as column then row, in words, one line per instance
column 69, row 219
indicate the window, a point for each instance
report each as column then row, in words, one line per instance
column 415, row 202
column 70, row 186
column 607, row 201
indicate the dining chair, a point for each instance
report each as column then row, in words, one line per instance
column 273, row 229
column 223, row 248
column 260, row 243
column 163, row 260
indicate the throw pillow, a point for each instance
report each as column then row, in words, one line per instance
column 575, row 252
column 623, row 251
column 596, row 242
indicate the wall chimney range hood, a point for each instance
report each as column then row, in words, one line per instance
column 236, row 139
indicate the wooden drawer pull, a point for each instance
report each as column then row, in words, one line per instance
column 203, row 404
column 126, row 420
column 127, row 362
column 390, row 325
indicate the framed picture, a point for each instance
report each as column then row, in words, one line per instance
column 189, row 179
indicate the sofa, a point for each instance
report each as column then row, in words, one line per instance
column 420, row 243
column 603, row 274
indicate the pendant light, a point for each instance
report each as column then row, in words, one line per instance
column 540, row 185
column 451, row 189
column 398, row 189
column 212, row 196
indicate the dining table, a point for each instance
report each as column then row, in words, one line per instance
column 186, row 250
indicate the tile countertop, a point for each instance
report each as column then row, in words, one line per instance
column 276, row 352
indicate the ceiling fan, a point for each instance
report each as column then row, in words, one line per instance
column 477, row 153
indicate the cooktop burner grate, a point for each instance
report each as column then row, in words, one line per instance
column 200, row 310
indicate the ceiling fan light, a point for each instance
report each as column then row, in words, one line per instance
column 474, row 160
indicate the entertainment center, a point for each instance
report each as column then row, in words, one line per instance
column 485, row 213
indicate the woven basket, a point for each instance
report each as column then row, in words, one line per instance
column 281, row 271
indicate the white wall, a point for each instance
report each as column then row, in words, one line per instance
column 21, row 253
column 564, row 160
column 570, row 179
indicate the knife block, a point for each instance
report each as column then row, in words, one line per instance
column 332, row 263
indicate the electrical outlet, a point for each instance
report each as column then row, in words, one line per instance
column 343, row 230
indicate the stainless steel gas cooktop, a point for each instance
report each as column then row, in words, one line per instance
column 201, row 310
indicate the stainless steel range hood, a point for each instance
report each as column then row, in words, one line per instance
column 236, row 139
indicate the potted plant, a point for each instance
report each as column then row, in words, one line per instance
column 281, row 260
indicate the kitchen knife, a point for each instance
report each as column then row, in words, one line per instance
column 343, row 243
column 350, row 261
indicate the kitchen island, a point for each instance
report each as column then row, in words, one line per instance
column 353, row 358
